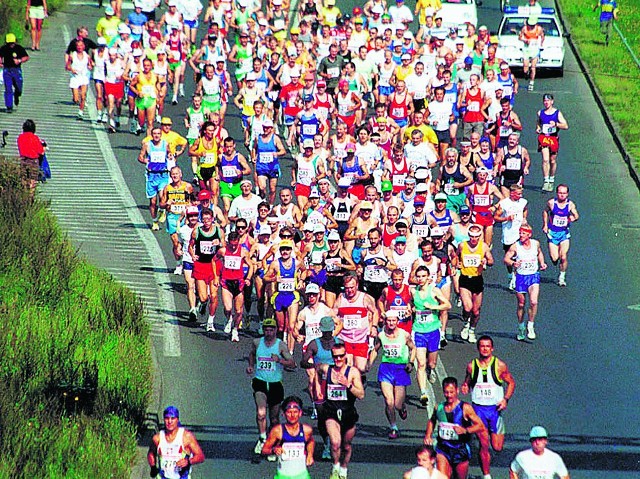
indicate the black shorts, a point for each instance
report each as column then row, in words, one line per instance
column 506, row 247
column 206, row 173
column 273, row 391
column 475, row 284
column 347, row 417
column 507, row 182
column 418, row 104
column 334, row 284
column 234, row 286
column 443, row 136
column 373, row 289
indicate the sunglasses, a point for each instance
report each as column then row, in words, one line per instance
column 338, row 356
column 286, row 236
column 238, row 227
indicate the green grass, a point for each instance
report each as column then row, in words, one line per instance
column 12, row 16
column 615, row 74
column 74, row 351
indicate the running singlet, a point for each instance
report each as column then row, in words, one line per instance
column 559, row 217
column 486, row 386
column 207, row 244
column 179, row 197
column 171, row 452
column 397, row 110
column 513, row 164
column 471, row 261
column 473, row 114
column 231, row 170
column 447, row 436
column 157, row 157
column 355, row 317
column 399, row 301
column 427, row 319
column 232, row 265
column 293, row 460
column 394, row 350
column 286, row 277
column 267, row 369
column 528, row 258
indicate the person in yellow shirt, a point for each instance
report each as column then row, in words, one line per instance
column 422, row 6
column 107, row 26
column 418, row 124
column 329, row 13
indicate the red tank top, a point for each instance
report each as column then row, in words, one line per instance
column 322, row 107
column 387, row 238
column 355, row 317
column 398, row 175
column 481, row 202
column 474, row 107
column 398, row 110
column 398, row 301
column 232, row 265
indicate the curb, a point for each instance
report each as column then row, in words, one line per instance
column 608, row 120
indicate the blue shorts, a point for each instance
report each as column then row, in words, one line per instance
column 490, row 417
column 191, row 23
column 431, row 340
column 402, row 122
column 394, row 374
column 455, row 455
column 173, row 223
column 443, row 282
column 245, row 121
column 385, row 90
column 187, row 265
column 156, row 183
column 557, row 237
column 283, row 299
column 289, row 120
column 270, row 170
column 524, row 281
column 101, row 82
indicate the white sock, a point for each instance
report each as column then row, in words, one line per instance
column 210, row 319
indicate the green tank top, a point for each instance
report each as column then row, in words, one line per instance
column 394, row 350
column 427, row 319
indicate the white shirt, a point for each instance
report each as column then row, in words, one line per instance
column 417, row 85
column 400, row 14
column 528, row 465
column 511, row 229
column 419, row 156
column 245, row 208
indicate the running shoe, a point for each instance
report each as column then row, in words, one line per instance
column 512, row 283
column 432, row 376
column 531, row 332
column 234, row 336
column 458, row 301
column 314, row 413
column 443, row 339
column 162, row 216
column 530, row 88
column 561, row 280
column 105, row 116
column 100, row 117
column 464, row 334
column 117, row 122
column 193, row 315
column 424, row 400
column 403, row 413
column 259, row 445
column 178, row 270
column 202, row 307
column 335, row 474
column 326, row 451
column 133, row 127
column 80, row 114
column 272, row 458
column 394, row 434
column 210, row 326
column 521, row 335
column 155, row 226
column 472, row 336
column 227, row 327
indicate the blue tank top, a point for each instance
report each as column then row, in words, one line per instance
column 262, row 78
column 286, row 437
column 488, row 163
column 397, row 59
column 309, row 126
column 559, row 218
column 351, row 169
column 157, row 156
column 287, row 273
column 545, row 118
column 227, row 166
column 454, row 417
column 266, row 150
column 451, row 96
column 508, row 83
column 445, row 221
column 323, row 356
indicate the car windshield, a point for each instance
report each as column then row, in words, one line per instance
column 513, row 25
column 457, row 2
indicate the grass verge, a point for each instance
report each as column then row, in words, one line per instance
column 12, row 16
column 74, row 351
column 612, row 68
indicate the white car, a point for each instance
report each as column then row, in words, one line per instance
column 456, row 13
column 510, row 47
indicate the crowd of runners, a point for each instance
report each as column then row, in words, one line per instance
column 352, row 215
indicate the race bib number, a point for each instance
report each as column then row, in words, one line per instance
column 336, row 392
column 401, row 310
column 312, row 331
column 374, row 273
column 398, row 180
column 265, row 157
column 209, row 159
column 424, row 316
column 332, row 264
column 246, row 212
column 316, row 257
column 528, row 267
column 513, row 163
column 292, row 451
column 341, row 216
column 304, row 175
column 206, row 247
column 449, row 189
column 481, row 200
column 392, row 351
column 148, row 90
column 354, row 322
column 447, row 432
column 483, row 392
column 178, row 209
column 232, row 262
column 548, row 129
column 278, row 24
column 229, row 171
column 560, row 221
column 507, row 91
column 473, row 107
column 333, row 72
column 421, row 231
column 505, row 131
column 397, row 112
column 309, row 130
column 471, row 260
column 266, row 364
column 351, row 175
column 287, row 285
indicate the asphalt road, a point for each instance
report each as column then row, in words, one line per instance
column 579, row 378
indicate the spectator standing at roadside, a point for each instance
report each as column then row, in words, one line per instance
column 36, row 13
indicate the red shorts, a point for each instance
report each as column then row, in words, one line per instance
column 114, row 89
column 357, row 191
column 359, row 350
column 551, row 142
column 483, row 218
column 349, row 121
column 203, row 271
column 302, row 190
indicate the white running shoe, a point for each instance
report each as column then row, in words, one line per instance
column 258, row 448
column 210, row 326
column 234, row 336
column 561, row 279
column 432, row 376
column 464, row 334
column 227, row 327
column 178, row 270
column 512, row 282
column 531, row 333
column 472, row 336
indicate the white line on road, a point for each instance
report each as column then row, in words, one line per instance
column 171, row 331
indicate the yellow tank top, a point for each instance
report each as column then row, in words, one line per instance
column 470, row 261
column 179, row 196
column 403, row 73
column 147, row 86
column 209, row 156
column 248, row 99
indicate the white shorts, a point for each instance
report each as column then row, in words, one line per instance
column 77, row 81
column 36, row 13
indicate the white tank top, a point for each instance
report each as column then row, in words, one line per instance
column 528, row 258
column 169, row 453
column 312, row 322
column 306, row 171
column 286, row 217
column 113, row 71
column 404, row 262
column 99, row 62
column 385, row 75
column 80, row 64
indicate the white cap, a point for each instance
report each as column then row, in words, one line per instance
column 312, row 288
column 108, row 10
column 308, row 143
column 137, row 52
column 242, row 3
column 295, row 72
column 421, row 188
column 265, row 230
column 318, row 228
column 333, row 236
column 277, row 2
column 251, row 76
column 124, row 28
column 307, row 226
column 102, row 41
column 314, row 193
column 113, row 51
column 267, row 122
column 263, row 22
column 344, row 182
column 292, row 52
column 172, row 3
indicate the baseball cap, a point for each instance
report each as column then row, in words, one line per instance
column 251, row 76
column 459, row 41
column 468, row 61
column 421, row 188
column 292, row 52
column 171, row 411
column 407, row 35
column 344, row 182
column 482, row 27
column 277, row 2
column 464, row 210
column 204, row 195
column 166, row 121
column 401, row 239
column 267, row 123
column 321, row 83
column 263, row 22
column 269, row 323
column 343, row 82
column 366, row 205
column 386, row 186
column 440, row 197
column 405, row 56
column 161, row 51
column 137, row 52
column 318, row 228
column 295, row 72
column 295, row 31
column 377, row 9
column 537, row 431
column 419, row 200
column 327, row 324
column 437, row 231
column 108, row 10
column 308, row 143
column 482, row 169
column 333, row 236
column 102, row 42
column 331, row 2
column 358, row 20
column 285, row 243
column 422, row 174
column 192, row 211
column 314, row 193
column 312, row 288
column 307, row 227
column 532, row 20
column 308, row 97
column 113, row 51
column 350, row 147
column 124, row 28
column 265, row 230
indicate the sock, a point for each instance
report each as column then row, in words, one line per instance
column 423, row 392
column 394, row 426
column 521, row 326
column 336, row 467
column 193, row 309
column 546, row 179
column 529, row 324
column 562, row 274
column 552, row 179
column 472, row 330
column 486, row 476
column 343, row 471
column 263, row 436
column 210, row 319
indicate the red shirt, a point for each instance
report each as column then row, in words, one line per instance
column 291, row 94
column 30, row 146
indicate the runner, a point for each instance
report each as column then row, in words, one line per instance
column 338, row 413
column 426, row 468
column 398, row 356
column 376, row 264
column 480, row 198
column 267, row 359
column 456, row 421
column 532, row 35
column 538, row 461
column 146, row 86
column 154, row 154
column 292, row 442
column 267, row 151
column 79, row 64
column 427, row 299
column 512, row 212
column 474, row 257
column 550, row 120
column 526, row 257
column 485, row 379
column 206, row 151
column 184, row 233
column 232, row 167
column 514, row 162
column 174, row 449
column 557, row 217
